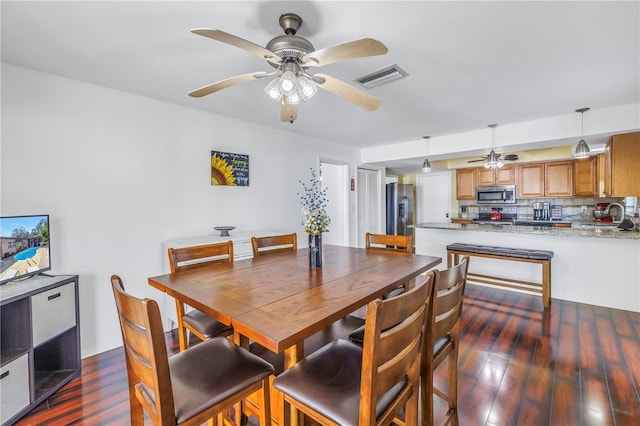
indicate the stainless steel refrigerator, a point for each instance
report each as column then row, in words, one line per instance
column 399, row 209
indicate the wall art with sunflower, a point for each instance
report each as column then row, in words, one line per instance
column 229, row 169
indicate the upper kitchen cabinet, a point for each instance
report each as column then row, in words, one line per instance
column 585, row 177
column 502, row 176
column 466, row 184
column 621, row 166
column 558, row 177
column 530, row 180
column 538, row 180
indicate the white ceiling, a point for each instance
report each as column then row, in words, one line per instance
column 469, row 63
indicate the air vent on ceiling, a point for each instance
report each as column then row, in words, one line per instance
column 382, row 76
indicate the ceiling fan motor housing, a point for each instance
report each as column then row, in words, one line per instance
column 290, row 46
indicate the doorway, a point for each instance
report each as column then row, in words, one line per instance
column 335, row 177
column 370, row 205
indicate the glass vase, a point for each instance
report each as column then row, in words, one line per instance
column 315, row 250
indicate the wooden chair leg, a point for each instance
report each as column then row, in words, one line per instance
column 137, row 412
column 452, row 385
column 426, row 395
column 265, row 405
column 411, row 410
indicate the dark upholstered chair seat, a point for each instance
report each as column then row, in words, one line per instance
column 328, row 381
column 210, row 372
column 206, row 325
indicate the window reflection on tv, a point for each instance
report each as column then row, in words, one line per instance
column 24, row 248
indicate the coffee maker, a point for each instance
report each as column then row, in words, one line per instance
column 541, row 211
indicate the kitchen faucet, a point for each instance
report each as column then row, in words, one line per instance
column 606, row 211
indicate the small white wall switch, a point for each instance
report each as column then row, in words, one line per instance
column 583, row 209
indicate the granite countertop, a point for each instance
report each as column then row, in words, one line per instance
column 588, row 230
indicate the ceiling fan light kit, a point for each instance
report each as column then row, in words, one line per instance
column 582, row 149
column 292, row 56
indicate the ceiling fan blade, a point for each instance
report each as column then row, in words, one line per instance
column 510, row 157
column 340, row 52
column 207, row 90
column 288, row 112
column 350, row 93
column 476, row 161
column 238, row 42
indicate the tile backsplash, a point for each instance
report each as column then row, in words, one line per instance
column 571, row 207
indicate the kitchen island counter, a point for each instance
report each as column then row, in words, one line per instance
column 590, row 231
column 598, row 265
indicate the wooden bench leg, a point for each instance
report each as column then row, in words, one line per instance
column 546, row 283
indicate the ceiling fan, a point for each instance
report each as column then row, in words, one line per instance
column 508, row 157
column 292, row 56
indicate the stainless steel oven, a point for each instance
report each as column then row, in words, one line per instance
column 500, row 194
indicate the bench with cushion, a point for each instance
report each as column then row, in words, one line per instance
column 542, row 257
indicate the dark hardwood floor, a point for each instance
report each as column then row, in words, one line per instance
column 573, row 364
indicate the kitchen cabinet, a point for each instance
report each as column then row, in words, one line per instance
column 538, row 180
column 40, row 341
column 530, row 180
column 502, row 176
column 466, row 184
column 558, row 177
column 621, row 170
column 585, row 177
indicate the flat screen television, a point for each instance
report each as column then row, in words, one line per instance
column 24, row 248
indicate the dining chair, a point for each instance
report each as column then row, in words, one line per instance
column 274, row 244
column 346, row 384
column 196, row 322
column 442, row 340
column 389, row 242
column 382, row 242
column 191, row 387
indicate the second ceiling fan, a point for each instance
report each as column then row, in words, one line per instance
column 508, row 157
column 494, row 160
column 292, row 56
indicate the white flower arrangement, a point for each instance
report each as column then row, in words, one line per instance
column 314, row 206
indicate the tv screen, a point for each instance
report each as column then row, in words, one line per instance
column 25, row 246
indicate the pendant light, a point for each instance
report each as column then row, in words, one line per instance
column 582, row 149
column 493, row 159
column 426, row 165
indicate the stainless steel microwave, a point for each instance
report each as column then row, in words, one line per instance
column 500, row 194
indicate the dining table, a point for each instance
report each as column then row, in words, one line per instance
column 278, row 300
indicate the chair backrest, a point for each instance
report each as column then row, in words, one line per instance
column 274, row 244
column 392, row 348
column 389, row 242
column 182, row 259
column 449, row 294
column 145, row 353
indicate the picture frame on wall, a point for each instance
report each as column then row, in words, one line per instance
column 229, row 169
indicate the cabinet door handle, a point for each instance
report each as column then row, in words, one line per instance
column 5, row 374
column 54, row 296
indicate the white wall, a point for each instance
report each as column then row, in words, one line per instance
column 120, row 173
